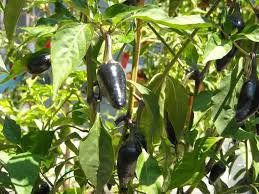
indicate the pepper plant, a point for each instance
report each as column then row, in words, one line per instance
column 75, row 123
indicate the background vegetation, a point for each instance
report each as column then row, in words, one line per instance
column 59, row 136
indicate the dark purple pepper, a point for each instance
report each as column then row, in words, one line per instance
column 236, row 18
column 245, row 99
column 39, row 63
column 217, row 171
column 127, row 160
column 43, row 189
column 111, row 78
column 112, row 82
column 248, row 101
column 224, row 61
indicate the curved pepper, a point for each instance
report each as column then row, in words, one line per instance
column 112, row 79
column 224, row 61
column 127, row 160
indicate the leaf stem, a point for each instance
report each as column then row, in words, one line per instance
column 241, row 49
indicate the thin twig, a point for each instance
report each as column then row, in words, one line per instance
column 135, row 66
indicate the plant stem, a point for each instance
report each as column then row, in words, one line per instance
column 241, row 50
column 135, row 63
column 108, row 48
column 90, row 86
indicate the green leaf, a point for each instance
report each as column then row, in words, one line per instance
column 5, row 180
column 24, row 171
column 11, row 15
column 176, row 104
column 190, row 169
column 216, row 48
column 151, row 113
column 79, row 115
column 222, row 110
column 159, row 16
column 202, row 101
column 12, row 131
column 38, row 31
column 68, row 47
column 149, row 174
column 34, row 140
column 80, row 4
column 96, row 155
column 118, row 12
column 190, row 55
column 4, row 157
column 250, row 32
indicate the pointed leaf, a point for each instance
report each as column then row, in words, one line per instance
column 151, row 113
column 148, row 173
column 159, row 16
column 11, row 15
column 68, row 47
column 34, row 140
column 216, row 48
column 96, row 155
column 12, row 131
column 24, row 171
column 176, row 104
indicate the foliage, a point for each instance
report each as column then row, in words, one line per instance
column 58, row 128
